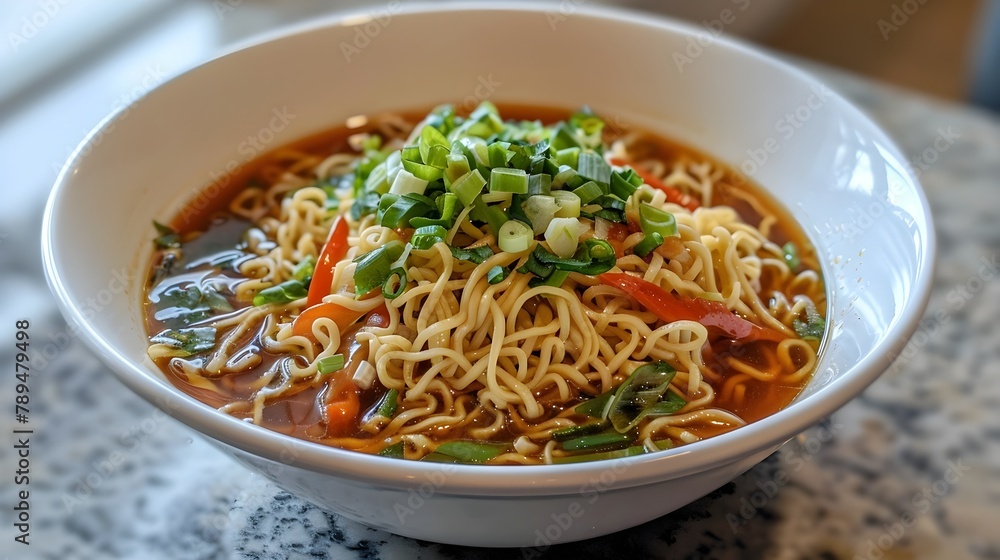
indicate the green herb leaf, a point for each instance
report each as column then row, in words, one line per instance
column 186, row 342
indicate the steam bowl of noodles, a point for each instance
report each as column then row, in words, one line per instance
column 493, row 276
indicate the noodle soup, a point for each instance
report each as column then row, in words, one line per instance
column 464, row 288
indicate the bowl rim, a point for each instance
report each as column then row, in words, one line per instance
column 488, row 480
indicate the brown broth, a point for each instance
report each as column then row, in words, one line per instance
column 212, row 227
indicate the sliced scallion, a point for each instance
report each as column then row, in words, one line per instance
column 496, row 274
column 468, row 187
column 406, row 182
column 654, row 220
column 330, row 364
column 394, row 284
column 509, row 180
column 563, row 236
column 539, row 210
column 425, row 237
column 588, row 192
column 648, row 244
column 285, row 292
column 515, row 237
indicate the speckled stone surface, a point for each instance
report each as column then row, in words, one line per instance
column 910, row 469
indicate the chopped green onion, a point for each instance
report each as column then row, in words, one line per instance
column 410, row 153
column 498, row 155
column 186, row 342
column 652, row 219
column 493, row 216
column 492, row 197
column 402, row 209
column 509, row 180
column 539, row 184
column 534, row 266
column 563, row 137
column 791, row 255
column 496, row 274
column 568, row 204
column 471, row 451
column 420, row 172
column 468, row 187
column 574, row 432
column 596, row 406
column 600, row 456
column 593, row 167
column 395, row 451
column 456, row 167
column 330, row 364
column 374, row 267
column 668, row 405
column 563, row 236
column 624, row 183
column 435, row 457
column 638, row 393
column 287, row 291
column 594, row 257
column 563, row 176
column 388, row 404
column 304, row 269
column 515, row 237
column 599, row 442
column 395, row 283
column 539, row 210
column 406, row 183
column 437, row 157
column 476, row 255
column 555, row 279
column 588, row 192
column 611, row 202
column 425, row 237
column 568, row 156
column 648, row 244
column 431, row 137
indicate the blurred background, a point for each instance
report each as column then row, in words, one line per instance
column 947, row 48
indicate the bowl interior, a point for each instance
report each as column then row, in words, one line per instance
column 830, row 166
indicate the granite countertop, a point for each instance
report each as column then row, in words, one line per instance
column 910, row 469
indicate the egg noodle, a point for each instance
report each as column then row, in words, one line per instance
column 474, row 357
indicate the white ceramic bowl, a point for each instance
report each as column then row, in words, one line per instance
column 836, row 171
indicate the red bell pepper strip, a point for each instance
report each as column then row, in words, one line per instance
column 668, row 307
column 673, row 194
column 333, row 252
